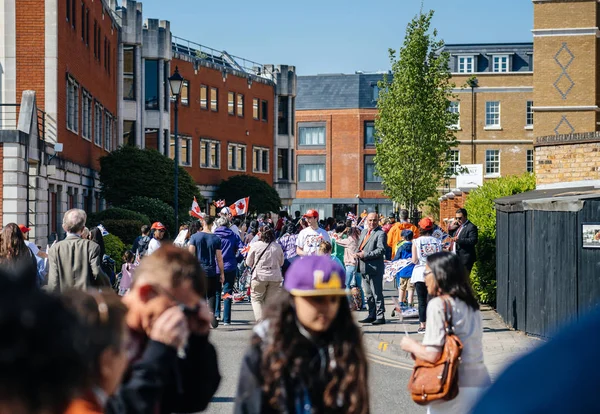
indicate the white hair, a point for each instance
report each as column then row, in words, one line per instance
column 74, row 220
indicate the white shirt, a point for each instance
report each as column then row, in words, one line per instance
column 426, row 246
column 152, row 246
column 309, row 240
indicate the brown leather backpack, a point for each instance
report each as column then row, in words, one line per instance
column 438, row 380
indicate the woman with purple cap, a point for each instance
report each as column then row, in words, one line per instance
column 307, row 354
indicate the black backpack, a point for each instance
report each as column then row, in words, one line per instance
column 143, row 245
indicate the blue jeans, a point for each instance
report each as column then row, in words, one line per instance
column 218, row 303
column 353, row 279
column 228, row 288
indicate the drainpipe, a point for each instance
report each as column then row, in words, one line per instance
column 473, row 83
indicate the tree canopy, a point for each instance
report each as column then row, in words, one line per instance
column 263, row 197
column 413, row 129
column 129, row 172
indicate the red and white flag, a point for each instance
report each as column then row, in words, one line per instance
column 219, row 203
column 195, row 210
column 240, row 207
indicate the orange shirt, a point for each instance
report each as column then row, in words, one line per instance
column 394, row 235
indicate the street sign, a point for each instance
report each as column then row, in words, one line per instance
column 472, row 178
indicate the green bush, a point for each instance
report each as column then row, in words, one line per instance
column 263, row 197
column 115, row 248
column 115, row 213
column 155, row 210
column 482, row 212
column 126, row 230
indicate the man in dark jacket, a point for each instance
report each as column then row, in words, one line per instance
column 172, row 366
column 464, row 236
column 230, row 244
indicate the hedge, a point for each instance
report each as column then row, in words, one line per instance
column 115, row 248
column 481, row 210
column 126, row 230
column 155, row 210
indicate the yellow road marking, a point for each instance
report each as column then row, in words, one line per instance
column 389, row 362
column 382, row 346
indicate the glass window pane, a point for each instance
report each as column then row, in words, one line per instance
column 151, row 83
column 231, row 103
column 213, row 99
column 255, row 108
column 240, row 105
column 203, row 96
column 185, row 93
column 369, row 133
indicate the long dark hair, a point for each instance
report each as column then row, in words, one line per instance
column 451, row 277
column 12, row 243
column 282, row 358
column 96, row 236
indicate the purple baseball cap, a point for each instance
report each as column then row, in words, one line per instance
column 315, row 276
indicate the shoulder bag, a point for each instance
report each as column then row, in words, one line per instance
column 439, row 380
column 258, row 260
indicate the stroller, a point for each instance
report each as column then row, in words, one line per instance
column 241, row 288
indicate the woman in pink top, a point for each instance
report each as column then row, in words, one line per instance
column 127, row 269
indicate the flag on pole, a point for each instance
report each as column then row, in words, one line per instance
column 103, row 230
column 195, row 210
column 240, row 207
column 219, row 203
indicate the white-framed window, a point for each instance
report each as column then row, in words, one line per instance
column 529, row 114
column 492, row 163
column 311, row 173
column 86, row 115
column 466, row 64
column 185, row 149
column 453, row 162
column 72, row 105
column 370, row 174
column 311, row 135
column 500, row 63
column 260, row 160
column 236, row 157
column 108, row 130
column 454, row 108
column 210, row 153
column 492, row 114
column 98, row 121
column 529, row 160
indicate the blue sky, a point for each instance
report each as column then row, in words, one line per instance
column 336, row 36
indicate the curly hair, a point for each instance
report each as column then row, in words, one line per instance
column 281, row 357
column 12, row 244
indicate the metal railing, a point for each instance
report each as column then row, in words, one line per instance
column 9, row 120
column 9, row 116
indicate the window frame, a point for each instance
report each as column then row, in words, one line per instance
column 206, row 144
column 453, row 162
column 234, row 148
column 374, row 180
column 264, row 110
column 489, row 115
column 529, row 114
column 492, row 174
column 204, row 90
column 530, row 160
column 256, row 109
column 497, row 65
column 86, row 108
column 240, row 99
column 465, row 64
column 264, row 155
column 231, row 103
column 129, row 75
column 301, row 176
column 366, row 125
column 301, row 127
column 108, row 130
column 185, row 85
column 73, row 88
column 455, row 104
column 214, row 104
column 98, row 124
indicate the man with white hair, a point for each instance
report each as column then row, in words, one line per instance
column 75, row 263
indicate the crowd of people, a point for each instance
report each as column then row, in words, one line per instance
column 141, row 345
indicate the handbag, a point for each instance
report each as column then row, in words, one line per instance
column 438, row 380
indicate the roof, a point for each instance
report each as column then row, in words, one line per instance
column 556, row 199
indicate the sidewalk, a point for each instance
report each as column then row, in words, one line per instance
column 501, row 345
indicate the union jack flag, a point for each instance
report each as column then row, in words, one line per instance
column 245, row 250
column 351, row 216
column 219, row 203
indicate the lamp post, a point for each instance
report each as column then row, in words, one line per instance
column 473, row 83
column 175, row 82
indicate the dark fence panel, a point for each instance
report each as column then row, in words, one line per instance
column 502, row 274
column 517, row 265
column 589, row 263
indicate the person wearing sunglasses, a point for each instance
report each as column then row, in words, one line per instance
column 307, row 354
column 159, row 233
column 464, row 236
column 172, row 366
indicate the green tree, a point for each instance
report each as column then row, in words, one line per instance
column 129, row 172
column 413, row 134
column 263, row 197
column 155, row 210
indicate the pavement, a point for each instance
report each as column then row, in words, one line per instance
column 501, row 345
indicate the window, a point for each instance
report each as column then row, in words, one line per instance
column 129, row 132
column 185, row 149
column 375, row 91
column 311, row 135
column 166, row 89
column 73, row 13
column 283, row 115
column 492, row 162
column 236, row 157
column 185, row 93
column 454, row 108
column 370, row 174
column 95, row 38
column 500, row 63
column 69, row 10
column 264, row 110
column 240, row 105
column 255, row 108
column 108, row 131
column 369, row 133
column 231, row 103
column 260, row 160
column 529, row 115
column 283, row 170
column 214, row 94
column 311, row 173
column 492, row 113
column 72, row 105
column 98, row 124
column 99, row 40
column 530, row 160
column 151, row 84
column 453, row 162
column 129, row 72
column 87, row 27
column 82, row 22
column 105, row 53
column 203, row 97
column 210, row 154
column 466, row 64
column 86, row 116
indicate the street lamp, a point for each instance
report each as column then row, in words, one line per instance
column 473, row 83
column 175, row 81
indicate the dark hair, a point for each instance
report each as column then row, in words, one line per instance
column 451, row 277
column 128, row 256
column 283, row 214
column 340, row 227
column 297, row 213
column 43, row 364
column 103, row 314
column 12, row 244
column 209, row 220
column 425, row 232
column 96, row 236
column 462, row 211
column 195, row 227
column 237, row 222
column 289, row 228
column 284, row 357
column 145, row 229
column 404, row 214
column 267, row 234
column 330, row 223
